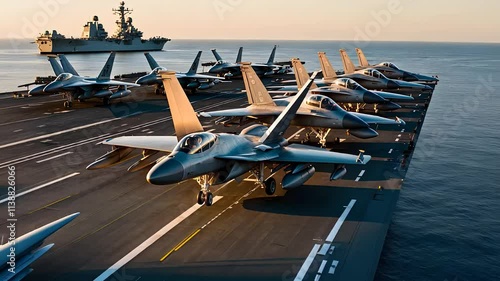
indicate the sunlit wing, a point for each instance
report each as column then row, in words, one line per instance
column 83, row 83
column 296, row 153
column 269, row 111
column 157, row 143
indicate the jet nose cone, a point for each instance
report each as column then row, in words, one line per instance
column 370, row 97
column 166, row 172
column 352, row 122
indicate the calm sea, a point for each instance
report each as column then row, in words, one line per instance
column 447, row 222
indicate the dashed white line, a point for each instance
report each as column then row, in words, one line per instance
column 40, row 186
column 390, row 151
column 397, row 139
column 399, row 135
column 57, row 133
column 333, row 267
column 17, row 131
column 402, row 130
column 324, row 249
column 148, row 242
column 361, row 173
column 307, row 263
column 320, row 270
column 54, row 157
column 357, row 179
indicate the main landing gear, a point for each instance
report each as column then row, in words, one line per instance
column 268, row 184
column 205, row 196
column 69, row 100
column 321, row 134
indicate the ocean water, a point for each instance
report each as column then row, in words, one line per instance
column 447, row 222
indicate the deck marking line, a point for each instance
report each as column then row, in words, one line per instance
column 54, row 157
column 148, row 242
column 361, row 173
column 324, row 249
column 390, row 151
column 340, row 221
column 357, row 179
column 40, row 186
column 307, row 263
column 333, row 267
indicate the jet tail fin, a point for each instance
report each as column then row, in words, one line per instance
column 183, row 115
column 216, row 55
column 361, row 58
column 347, row 62
column 55, row 65
column 278, row 128
column 271, row 57
column 151, row 61
column 196, row 63
column 301, row 75
column 240, row 54
column 108, row 67
column 66, row 65
column 256, row 91
column 327, row 68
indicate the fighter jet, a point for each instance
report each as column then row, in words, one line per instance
column 227, row 69
column 277, row 69
column 189, row 80
column 343, row 90
column 17, row 255
column 318, row 112
column 212, row 158
column 371, row 78
column 390, row 70
column 74, row 86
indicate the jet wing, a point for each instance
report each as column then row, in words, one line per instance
column 393, row 96
column 84, row 83
column 296, row 153
column 374, row 119
column 248, row 111
column 157, row 143
column 201, row 76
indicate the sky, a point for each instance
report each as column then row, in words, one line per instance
column 350, row 20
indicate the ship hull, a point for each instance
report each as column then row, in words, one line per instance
column 65, row 45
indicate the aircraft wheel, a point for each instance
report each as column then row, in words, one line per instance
column 201, row 198
column 70, row 104
column 210, row 199
column 270, row 186
column 66, row 104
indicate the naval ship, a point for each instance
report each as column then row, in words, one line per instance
column 95, row 38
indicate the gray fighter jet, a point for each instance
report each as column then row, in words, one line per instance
column 371, row 78
column 227, row 69
column 189, row 80
column 74, row 86
column 16, row 256
column 318, row 112
column 217, row 158
column 343, row 90
column 390, row 70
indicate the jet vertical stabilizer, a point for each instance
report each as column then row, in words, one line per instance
column 183, row 115
column 108, row 67
column 151, row 61
column 363, row 62
column 327, row 68
column 256, row 91
column 196, row 63
column 301, row 75
column 240, row 54
column 55, row 65
column 346, row 61
column 66, row 65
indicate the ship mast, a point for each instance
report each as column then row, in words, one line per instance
column 122, row 23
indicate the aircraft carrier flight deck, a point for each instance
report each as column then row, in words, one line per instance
column 131, row 230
